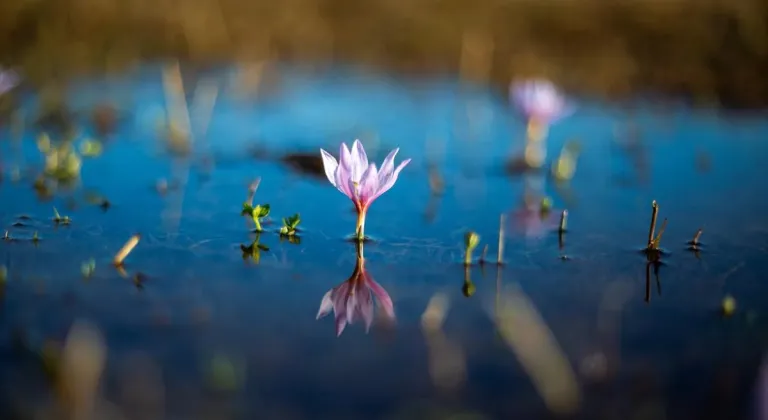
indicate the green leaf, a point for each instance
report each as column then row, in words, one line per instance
column 247, row 210
column 262, row 247
column 286, row 223
column 263, row 210
column 295, row 220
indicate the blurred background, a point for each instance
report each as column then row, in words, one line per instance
column 711, row 51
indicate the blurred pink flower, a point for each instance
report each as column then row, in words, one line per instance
column 8, row 80
column 539, row 100
column 531, row 222
column 353, row 300
column 359, row 180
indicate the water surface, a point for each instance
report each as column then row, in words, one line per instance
column 632, row 347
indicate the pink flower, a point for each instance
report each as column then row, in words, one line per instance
column 539, row 100
column 353, row 300
column 8, row 80
column 359, row 180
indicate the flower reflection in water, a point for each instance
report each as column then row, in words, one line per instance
column 536, row 217
column 353, row 300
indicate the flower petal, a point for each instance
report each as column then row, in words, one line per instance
column 359, row 160
column 342, row 180
column 345, row 159
column 329, row 165
column 369, row 185
column 341, row 323
column 391, row 179
column 382, row 296
column 387, row 166
column 366, row 309
column 326, row 305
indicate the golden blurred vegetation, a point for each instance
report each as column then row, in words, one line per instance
column 707, row 50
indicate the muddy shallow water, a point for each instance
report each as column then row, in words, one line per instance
column 631, row 346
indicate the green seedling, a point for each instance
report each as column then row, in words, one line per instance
column 546, row 206
column 289, row 225
column 257, row 213
column 35, row 238
column 253, row 251
column 59, row 219
column 88, row 267
column 471, row 241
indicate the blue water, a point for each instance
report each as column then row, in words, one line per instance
column 200, row 297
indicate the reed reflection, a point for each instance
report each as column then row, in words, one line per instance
column 352, row 300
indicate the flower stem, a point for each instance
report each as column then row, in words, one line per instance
column 257, row 223
column 360, row 231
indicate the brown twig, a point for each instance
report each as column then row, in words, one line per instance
column 126, row 250
column 652, row 229
column 657, row 241
column 697, row 236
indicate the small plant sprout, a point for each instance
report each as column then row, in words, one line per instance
column 695, row 240
column 728, row 307
column 253, row 251
column 59, row 219
column 468, row 288
column 359, row 180
column 484, row 255
column 257, row 213
column 545, row 207
column 289, row 225
column 471, row 241
column 88, row 267
column 35, row 238
column 126, row 250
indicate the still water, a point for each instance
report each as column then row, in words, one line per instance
column 207, row 333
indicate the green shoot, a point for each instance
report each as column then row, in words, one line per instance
column 59, row 219
column 88, row 267
column 257, row 213
column 289, row 225
column 471, row 241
